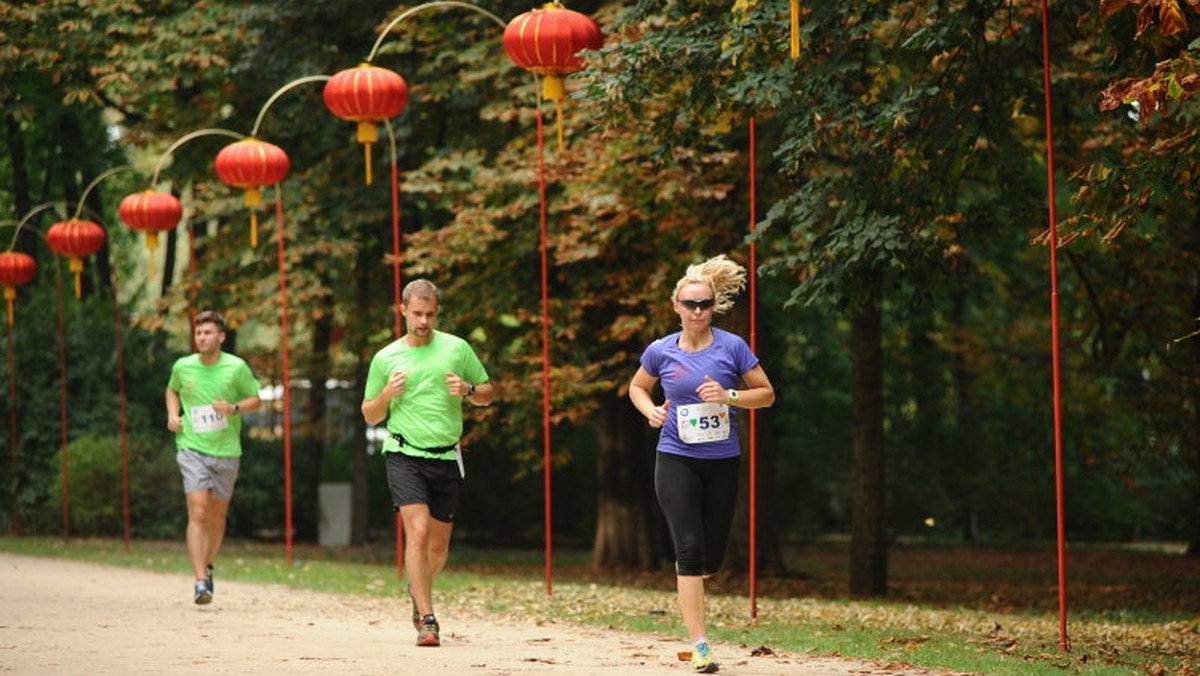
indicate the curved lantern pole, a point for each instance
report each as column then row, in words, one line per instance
column 119, row 351
column 552, row 58
column 285, row 366
column 162, row 159
column 29, row 269
column 64, row 421
column 396, row 286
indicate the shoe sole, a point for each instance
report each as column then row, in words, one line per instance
column 203, row 599
column 429, row 641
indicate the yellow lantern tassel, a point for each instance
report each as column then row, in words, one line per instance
column 795, row 29
column 554, row 88
column 75, row 265
column 367, row 134
column 252, row 199
column 151, row 247
column 10, row 294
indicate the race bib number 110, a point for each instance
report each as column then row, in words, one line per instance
column 700, row 423
column 205, row 419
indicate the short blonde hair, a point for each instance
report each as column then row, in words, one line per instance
column 725, row 277
column 420, row 288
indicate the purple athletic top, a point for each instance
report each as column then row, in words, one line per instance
column 725, row 360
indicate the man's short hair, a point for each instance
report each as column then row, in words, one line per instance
column 420, row 288
column 211, row 317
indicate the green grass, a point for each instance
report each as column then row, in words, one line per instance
column 1022, row 642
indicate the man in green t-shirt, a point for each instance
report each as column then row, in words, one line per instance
column 206, row 395
column 418, row 384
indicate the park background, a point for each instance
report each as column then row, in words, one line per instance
column 903, row 289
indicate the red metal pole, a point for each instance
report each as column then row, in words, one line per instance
column 123, row 413
column 1056, row 366
column 14, row 437
column 287, row 386
column 753, row 564
column 64, row 422
column 397, row 327
column 542, row 247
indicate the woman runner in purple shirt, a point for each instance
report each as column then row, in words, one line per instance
column 704, row 372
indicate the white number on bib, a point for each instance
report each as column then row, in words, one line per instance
column 698, row 423
column 205, row 419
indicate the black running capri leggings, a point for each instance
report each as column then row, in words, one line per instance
column 697, row 497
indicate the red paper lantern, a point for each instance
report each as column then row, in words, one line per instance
column 16, row 269
column 151, row 212
column 546, row 41
column 250, row 164
column 75, row 239
column 366, row 95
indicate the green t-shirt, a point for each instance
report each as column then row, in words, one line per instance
column 198, row 386
column 426, row 415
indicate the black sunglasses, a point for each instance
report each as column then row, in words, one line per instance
column 690, row 304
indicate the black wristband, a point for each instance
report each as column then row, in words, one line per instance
column 237, row 408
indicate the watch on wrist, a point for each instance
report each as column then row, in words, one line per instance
column 470, row 389
column 733, row 397
column 237, row 408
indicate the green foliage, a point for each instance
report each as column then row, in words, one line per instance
column 905, row 145
column 96, row 484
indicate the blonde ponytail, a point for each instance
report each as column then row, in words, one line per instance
column 725, row 277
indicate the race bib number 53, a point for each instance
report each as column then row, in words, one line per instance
column 205, row 419
column 700, row 423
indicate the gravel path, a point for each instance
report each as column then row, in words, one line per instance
column 69, row 617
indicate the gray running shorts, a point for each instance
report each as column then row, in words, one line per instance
column 202, row 472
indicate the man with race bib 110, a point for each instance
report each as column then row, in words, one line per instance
column 705, row 372
column 206, row 396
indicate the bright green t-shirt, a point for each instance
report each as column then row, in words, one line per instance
column 198, row 386
column 426, row 415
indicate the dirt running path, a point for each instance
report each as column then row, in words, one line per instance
column 61, row 617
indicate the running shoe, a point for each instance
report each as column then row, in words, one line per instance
column 703, row 661
column 211, row 588
column 203, row 593
column 416, row 613
column 427, row 634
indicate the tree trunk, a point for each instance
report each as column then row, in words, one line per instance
column 625, row 532
column 868, row 525
column 767, row 543
column 1193, row 548
column 308, row 469
column 20, row 178
column 360, row 484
